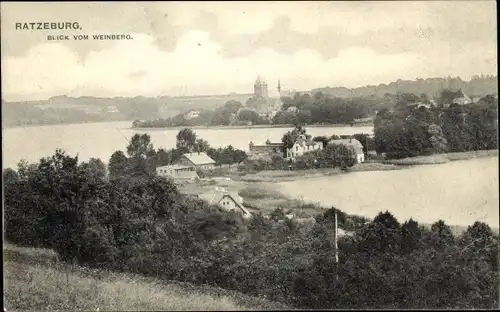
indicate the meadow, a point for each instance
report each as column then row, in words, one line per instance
column 36, row 280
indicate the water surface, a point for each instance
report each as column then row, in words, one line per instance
column 102, row 139
column 458, row 192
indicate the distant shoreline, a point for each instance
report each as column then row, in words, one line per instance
column 63, row 124
column 254, row 126
column 357, row 125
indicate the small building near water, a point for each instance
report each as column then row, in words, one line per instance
column 196, row 160
column 227, row 201
column 353, row 145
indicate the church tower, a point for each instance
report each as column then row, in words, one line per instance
column 260, row 88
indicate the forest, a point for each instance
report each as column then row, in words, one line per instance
column 409, row 130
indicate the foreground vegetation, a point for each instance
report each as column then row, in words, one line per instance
column 141, row 224
column 36, row 280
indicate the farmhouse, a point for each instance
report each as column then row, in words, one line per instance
column 353, row 145
column 178, row 173
column 303, row 145
column 196, row 160
column 227, row 201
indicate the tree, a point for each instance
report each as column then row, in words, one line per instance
column 479, row 243
column 239, row 156
column 97, row 167
column 186, row 139
column 323, row 139
column 201, row 146
column 382, row 235
column 442, row 236
column 411, row 235
column 10, row 175
column 341, row 156
column 117, row 165
column 140, row 146
column 163, row 157
column 249, row 115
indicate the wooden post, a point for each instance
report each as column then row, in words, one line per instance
column 336, row 238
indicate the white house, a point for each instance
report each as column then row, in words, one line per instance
column 227, row 201
column 292, row 109
column 303, row 145
column 353, row 145
column 178, row 173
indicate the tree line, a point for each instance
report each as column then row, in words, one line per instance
column 146, row 226
column 479, row 85
column 409, row 130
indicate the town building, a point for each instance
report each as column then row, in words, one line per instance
column 292, row 109
column 353, row 145
column 301, row 146
column 260, row 88
column 267, row 150
column 196, row 160
column 227, row 201
column 113, row 109
column 192, row 114
column 462, row 99
column 178, row 173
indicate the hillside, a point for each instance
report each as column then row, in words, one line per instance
column 64, row 109
column 477, row 86
column 35, row 280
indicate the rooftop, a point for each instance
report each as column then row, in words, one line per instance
column 302, row 140
column 173, row 167
column 199, row 158
column 352, row 143
column 213, row 198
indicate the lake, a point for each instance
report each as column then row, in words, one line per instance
column 458, row 192
column 102, row 139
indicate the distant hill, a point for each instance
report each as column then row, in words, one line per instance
column 477, row 86
column 64, row 109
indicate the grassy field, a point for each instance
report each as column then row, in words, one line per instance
column 274, row 176
column 35, row 280
column 441, row 158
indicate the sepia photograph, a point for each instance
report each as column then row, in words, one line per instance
column 239, row 155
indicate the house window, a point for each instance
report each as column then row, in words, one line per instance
column 296, row 148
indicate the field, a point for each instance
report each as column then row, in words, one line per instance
column 441, row 158
column 35, row 280
column 274, row 176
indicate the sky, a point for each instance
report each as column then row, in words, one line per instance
column 189, row 48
